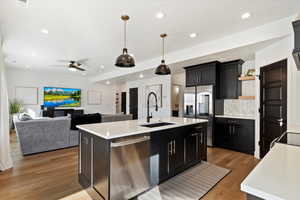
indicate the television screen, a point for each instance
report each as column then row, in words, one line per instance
column 62, row 97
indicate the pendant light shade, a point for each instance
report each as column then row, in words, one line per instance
column 163, row 69
column 125, row 60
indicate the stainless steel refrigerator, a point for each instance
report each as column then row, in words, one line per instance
column 199, row 103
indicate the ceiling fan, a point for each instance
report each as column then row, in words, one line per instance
column 74, row 65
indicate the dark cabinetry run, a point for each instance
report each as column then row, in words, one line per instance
column 235, row 134
column 178, row 149
column 223, row 75
column 203, row 74
column 229, row 87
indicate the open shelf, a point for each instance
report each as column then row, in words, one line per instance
column 247, row 97
column 247, row 78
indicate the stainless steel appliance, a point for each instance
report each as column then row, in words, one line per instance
column 199, row 103
column 129, row 167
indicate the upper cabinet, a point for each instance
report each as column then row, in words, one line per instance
column 203, row 74
column 229, row 86
column 225, row 76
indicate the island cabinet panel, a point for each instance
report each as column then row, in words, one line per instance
column 85, row 151
column 235, row 134
column 195, row 144
column 178, row 149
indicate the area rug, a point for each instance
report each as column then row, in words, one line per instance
column 192, row 184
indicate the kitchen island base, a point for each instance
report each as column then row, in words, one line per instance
column 124, row 167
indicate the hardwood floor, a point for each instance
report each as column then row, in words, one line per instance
column 53, row 175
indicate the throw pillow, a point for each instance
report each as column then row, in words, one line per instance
column 25, row 117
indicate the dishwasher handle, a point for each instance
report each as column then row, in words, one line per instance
column 130, row 142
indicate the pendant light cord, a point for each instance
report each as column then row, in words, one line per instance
column 163, row 41
column 125, row 36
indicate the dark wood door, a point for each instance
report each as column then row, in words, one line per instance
column 273, row 103
column 133, row 102
column 123, row 102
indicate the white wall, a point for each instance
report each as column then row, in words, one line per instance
column 179, row 80
column 40, row 79
column 165, row 110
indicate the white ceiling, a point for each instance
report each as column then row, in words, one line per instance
column 93, row 29
column 246, row 53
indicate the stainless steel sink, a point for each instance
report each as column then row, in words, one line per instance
column 158, row 124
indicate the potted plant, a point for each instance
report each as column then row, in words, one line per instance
column 15, row 107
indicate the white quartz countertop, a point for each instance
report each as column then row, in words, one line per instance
column 236, row 116
column 111, row 130
column 277, row 175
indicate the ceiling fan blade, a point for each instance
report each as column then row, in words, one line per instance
column 78, row 68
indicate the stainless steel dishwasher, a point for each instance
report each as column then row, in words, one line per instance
column 129, row 167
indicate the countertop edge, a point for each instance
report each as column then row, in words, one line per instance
column 258, row 193
column 149, row 130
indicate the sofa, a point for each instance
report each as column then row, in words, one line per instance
column 46, row 134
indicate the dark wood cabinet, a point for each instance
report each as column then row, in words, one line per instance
column 235, row 134
column 195, row 143
column 178, row 149
column 203, row 74
column 229, row 87
column 170, row 146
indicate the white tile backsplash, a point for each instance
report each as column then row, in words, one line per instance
column 239, row 107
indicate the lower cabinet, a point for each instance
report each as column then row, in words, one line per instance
column 179, row 148
column 235, row 134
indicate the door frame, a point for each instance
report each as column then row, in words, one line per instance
column 285, row 84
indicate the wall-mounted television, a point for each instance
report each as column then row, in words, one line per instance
column 62, row 97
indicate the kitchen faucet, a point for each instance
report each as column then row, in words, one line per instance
column 156, row 107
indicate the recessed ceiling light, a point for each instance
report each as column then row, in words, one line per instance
column 141, row 75
column 45, row 31
column 246, row 15
column 193, row 35
column 102, row 67
column 107, row 82
column 160, row 15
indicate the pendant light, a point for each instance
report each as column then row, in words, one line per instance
column 125, row 60
column 163, row 69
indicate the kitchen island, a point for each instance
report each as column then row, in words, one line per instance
column 277, row 175
column 119, row 160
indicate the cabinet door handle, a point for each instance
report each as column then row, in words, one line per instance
column 169, row 153
column 169, row 148
column 174, row 147
column 201, row 138
column 184, row 149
